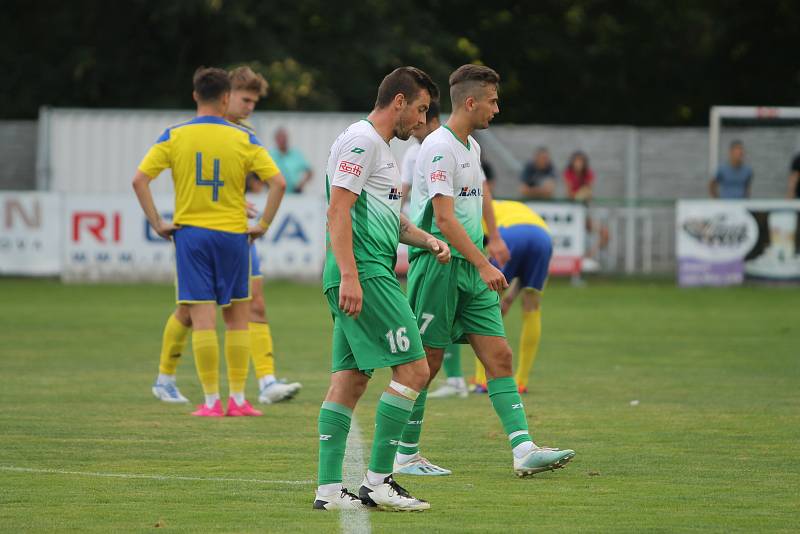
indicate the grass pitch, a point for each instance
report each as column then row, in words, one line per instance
column 712, row 443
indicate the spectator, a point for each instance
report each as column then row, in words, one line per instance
column 579, row 177
column 291, row 162
column 794, row 178
column 539, row 176
column 733, row 179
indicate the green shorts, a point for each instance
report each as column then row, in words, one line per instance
column 451, row 301
column 384, row 335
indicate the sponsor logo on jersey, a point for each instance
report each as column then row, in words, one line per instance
column 465, row 165
column 470, row 192
column 350, row 168
column 394, row 194
column 437, row 158
column 357, row 150
column 439, row 176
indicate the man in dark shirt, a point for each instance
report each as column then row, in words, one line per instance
column 794, row 178
column 539, row 176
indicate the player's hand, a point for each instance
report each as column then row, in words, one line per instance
column 493, row 277
column 166, row 229
column 350, row 296
column 255, row 231
column 498, row 251
column 439, row 248
column 251, row 210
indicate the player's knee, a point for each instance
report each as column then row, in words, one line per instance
column 414, row 374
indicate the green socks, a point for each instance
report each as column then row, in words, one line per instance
column 409, row 440
column 334, row 425
column 390, row 420
column 452, row 362
column 508, row 405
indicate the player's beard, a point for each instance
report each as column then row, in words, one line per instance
column 403, row 130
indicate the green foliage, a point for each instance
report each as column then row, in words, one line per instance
column 562, row 61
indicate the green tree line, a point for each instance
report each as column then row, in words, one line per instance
column 641, row 62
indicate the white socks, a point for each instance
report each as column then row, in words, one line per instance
column 404, row 458
column 265, row 381
column 329, row 489
column 212, row 399
column 522, row 449
column 165, row 379
column 375, row 479
column 238, row 398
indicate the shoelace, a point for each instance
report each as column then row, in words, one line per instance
column 171, row 389
column 397, row 488
column 349, row 494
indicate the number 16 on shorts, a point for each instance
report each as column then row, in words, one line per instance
column 398, row 340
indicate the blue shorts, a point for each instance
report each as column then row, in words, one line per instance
column 211, row 266
column 531, row 248
column 255, row 264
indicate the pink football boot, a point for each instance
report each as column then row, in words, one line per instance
column 205, row 411
column 234, row 410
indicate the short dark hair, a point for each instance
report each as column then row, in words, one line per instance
column 433, row 111
column 407, row 81
column 735, row 143
column 466, row 78
column 211, row 83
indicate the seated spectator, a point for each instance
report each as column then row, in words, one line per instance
column 291, row 162
column 794, row 178
column 733, row 179
column 579, row 177
column 538, row 176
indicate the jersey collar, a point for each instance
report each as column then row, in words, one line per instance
column 466, row 145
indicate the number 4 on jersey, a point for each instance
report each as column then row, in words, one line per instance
column 215, row 183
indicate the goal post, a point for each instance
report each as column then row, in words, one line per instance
column 719, row 114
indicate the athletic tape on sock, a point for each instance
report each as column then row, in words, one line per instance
column 404, row 390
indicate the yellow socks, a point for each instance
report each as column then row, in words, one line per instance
column 237, row 356
column 206, row 356
column 480, row 373
column 261, row 349
column 528, row 344
column 172, row 344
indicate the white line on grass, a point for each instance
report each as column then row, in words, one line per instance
column 15, row 469
column 354, row 521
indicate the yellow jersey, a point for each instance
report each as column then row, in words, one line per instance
column 510, row 213
column 210, row 158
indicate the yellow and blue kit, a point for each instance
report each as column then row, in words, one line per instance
column 528, row 240
column 210, row 159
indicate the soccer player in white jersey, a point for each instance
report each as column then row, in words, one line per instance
column 373, row 326
column 458, row 302
column 410, row 157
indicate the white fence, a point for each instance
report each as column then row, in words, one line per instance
column 97, row 151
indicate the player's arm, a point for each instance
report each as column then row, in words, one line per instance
column 413, row 236
column 340, row 228
column 353, row 165
column 495, row 245
column 156, row 160
column 439, row 167
column 141, row 185
column 794, row 178
column 266, row 170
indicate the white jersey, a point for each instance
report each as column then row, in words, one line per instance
column 362, row 162
column 409, row 162
column 447, row 166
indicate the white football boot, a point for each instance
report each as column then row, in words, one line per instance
column 340, row 500
column 278, row 391
column 389, row 495
column 168, row 392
